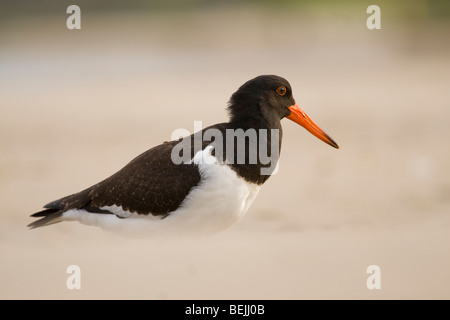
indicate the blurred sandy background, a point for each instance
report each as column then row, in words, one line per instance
column 76, row 106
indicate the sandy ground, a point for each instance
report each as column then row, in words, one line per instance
column 76, row 106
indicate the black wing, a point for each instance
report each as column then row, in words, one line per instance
column 150, row 184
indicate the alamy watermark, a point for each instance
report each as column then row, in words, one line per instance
column 374, row 280
column 230, row 146
column 374, row 20
column 74, row 20
column 74, row 280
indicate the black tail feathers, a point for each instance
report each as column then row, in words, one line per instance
column 49, row 216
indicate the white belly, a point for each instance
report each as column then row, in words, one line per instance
column 221, row 199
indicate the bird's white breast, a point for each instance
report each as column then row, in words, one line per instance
column 221, row 199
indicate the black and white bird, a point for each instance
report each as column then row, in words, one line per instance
column 209, row 190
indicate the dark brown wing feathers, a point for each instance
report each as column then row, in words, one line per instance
column 149, row 184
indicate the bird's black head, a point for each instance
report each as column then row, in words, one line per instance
column 264, row 101
column 268, row 97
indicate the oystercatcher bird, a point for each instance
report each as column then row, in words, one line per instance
column 198, row 184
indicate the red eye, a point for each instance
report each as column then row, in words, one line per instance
column 281, row 90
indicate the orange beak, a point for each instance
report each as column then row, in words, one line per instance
column 299, row 116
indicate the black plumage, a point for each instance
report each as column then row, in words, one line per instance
column 149, row 184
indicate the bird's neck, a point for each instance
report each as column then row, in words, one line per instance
column 257, row 139
column 253, row 121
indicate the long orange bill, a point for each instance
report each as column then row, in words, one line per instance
column 299, row 116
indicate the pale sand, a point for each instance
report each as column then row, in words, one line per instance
column 77, row 107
